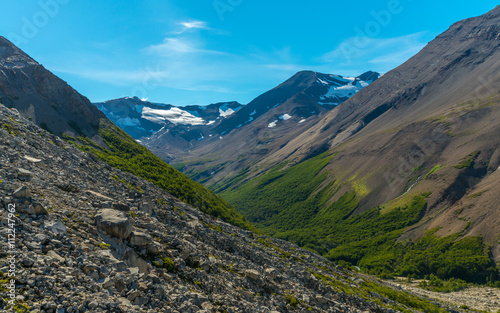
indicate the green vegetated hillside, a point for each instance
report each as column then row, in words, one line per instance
column 294, row 204
column 126, row 154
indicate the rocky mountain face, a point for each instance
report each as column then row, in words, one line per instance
column 426, row 131
column 182, row 133
column 43, row 97
column 53, row 105
column 304, row 95
column 91, row 238
column 142, row 118
column 259, row 128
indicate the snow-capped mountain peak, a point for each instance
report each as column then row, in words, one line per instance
column 168, row 129
column 141, row 118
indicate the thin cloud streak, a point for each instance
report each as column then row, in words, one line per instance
column 386, row 52
column 178, row 46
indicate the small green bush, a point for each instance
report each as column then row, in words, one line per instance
column 290, row 299
column 168, row 264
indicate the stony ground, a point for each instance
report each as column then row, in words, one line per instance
column 90, row 238
column 476, row 298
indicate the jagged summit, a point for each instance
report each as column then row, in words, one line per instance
column 40, row 95
column 369, row 76
column 11, row 56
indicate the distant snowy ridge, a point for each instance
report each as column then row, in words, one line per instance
column 174, row 115
column 141, row 118
column 341, row 88
column 312, row 94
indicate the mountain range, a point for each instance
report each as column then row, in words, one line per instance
column 142, row 118
column 173, row 131
column 411, row 158
column 102, row 225
column 392, row 175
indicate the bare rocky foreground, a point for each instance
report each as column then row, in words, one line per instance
column 94, row 239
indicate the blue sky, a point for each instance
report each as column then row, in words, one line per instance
column 206, row 51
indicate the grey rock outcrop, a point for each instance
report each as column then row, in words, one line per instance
column 114, row 222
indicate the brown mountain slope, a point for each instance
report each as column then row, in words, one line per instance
column 459, row 65
column 263, row 126
column 435, row 109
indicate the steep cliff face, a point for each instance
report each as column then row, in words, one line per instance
column 43, row 97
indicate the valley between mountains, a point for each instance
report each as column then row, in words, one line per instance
column 102, row 225
column 396, row 174
column 303, row 200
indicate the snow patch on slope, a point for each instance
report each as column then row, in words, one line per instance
column 173, row 115
column 340, row 87
column 272, row 124
column 285, row 117
column 127, row 121
column 225, row 110
column 345, row 91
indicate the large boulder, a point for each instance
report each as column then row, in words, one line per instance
column 55, row 226
column 252, row 274
column 140, row 239
column 114, row 223
column 23, row 174
column 22, row 192
column 133, row 260
column 39, row 209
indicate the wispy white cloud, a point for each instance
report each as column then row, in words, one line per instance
column 192, row 26
column 188, row 60
column 172, row 46
column 195, row 25
column 384, row 52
